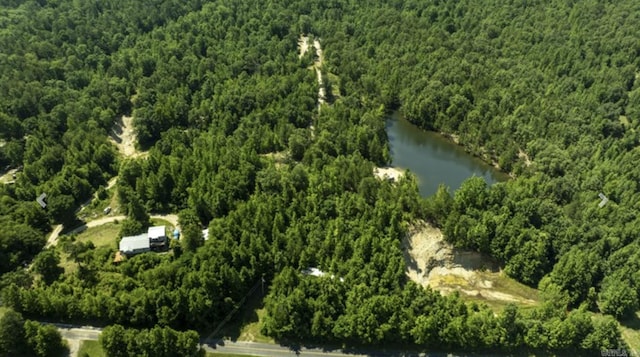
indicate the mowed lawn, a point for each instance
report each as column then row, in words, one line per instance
column 163, row 222
column 101, row 236
column 105, row 235
column 91, row 349
column 630, row 330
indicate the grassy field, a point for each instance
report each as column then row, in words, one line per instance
column 502, row 284
column 91, row 349
column 245, row 326
column 67, row 264
column 95, row 209
column 162, row 222
column 630, row 330
column 101, row 236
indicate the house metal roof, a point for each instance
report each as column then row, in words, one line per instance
column 156, row 232
column 134, row 243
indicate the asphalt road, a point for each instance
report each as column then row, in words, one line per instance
column 76, row 334
column 269, row 350
column 79, row 333
column 273, row 350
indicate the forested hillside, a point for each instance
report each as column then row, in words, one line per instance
column 547, row 90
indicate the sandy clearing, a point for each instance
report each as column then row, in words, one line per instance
column 433, row 262
column 388, row 173
column 523, row 156
column 303, row 47
column 322, row 93
column 280, row 158
column 74, row 347
column 8, row 177
column 123, row 136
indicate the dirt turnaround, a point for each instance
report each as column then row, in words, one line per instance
column 433, row 262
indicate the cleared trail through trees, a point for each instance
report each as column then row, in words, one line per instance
column 303, row 46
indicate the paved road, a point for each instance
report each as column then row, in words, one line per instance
column 75, row 334
column 85, row 333
column 269, row 350
column 53, row 238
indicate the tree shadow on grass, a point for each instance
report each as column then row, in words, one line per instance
column 632, row 322
column 245, row 316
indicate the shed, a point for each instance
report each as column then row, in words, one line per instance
column 205, row 234
column 135, row 244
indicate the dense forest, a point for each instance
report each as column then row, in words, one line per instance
column 227, row 113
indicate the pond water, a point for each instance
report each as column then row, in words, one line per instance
column 433, row 159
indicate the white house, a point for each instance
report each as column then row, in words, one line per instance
column 135, row 244
column 157, row 236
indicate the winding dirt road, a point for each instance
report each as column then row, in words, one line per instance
column 53, row 238
column 303, row 45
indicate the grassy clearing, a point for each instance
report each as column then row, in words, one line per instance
column 630, row 330
column 3, row 310
column 67, row 264
column 247, row 323
column 91, row 349
column 163, row 222
column 101, row 236
column 502, row 285
column 280, row 158
column 95, row 209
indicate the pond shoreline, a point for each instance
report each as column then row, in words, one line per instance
column 436, row 158
column 484, row 155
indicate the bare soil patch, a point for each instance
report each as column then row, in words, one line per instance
column 388, row 173
column 524, row 157
column 124, row 137
column 433, row 262
column 303, row 46
column 280, row 158
column 7, row 177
